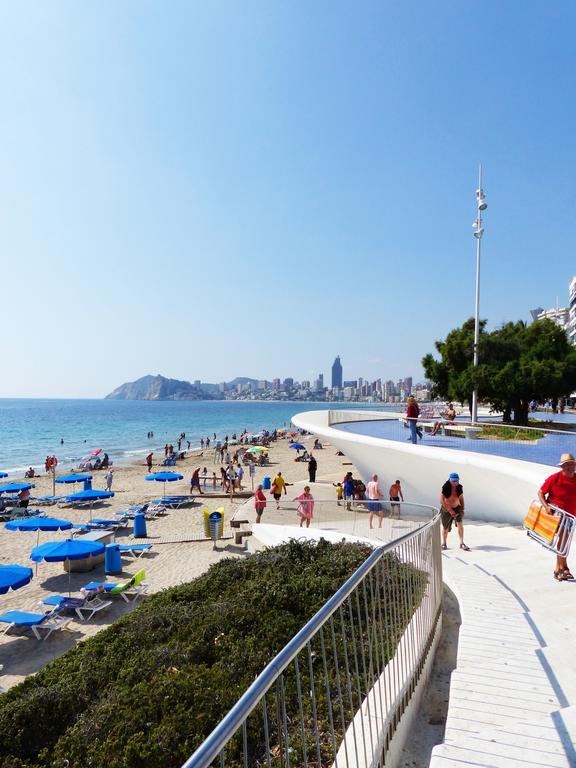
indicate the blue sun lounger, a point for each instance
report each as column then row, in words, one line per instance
column 37, row 622
column 129, row 590
column 174, row 501
column 91, row 603
column 136, row 550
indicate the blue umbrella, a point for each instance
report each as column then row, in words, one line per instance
column 3, row 474
column 297, row 446
column 73, row 478
column 14, row 577
column 64, row 551
column 165, row 477
column 38, row 524
column 91, row 495
column 15, row 487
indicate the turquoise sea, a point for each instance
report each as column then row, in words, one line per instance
column 32, row 429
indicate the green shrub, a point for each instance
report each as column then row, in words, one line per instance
column 148, row 689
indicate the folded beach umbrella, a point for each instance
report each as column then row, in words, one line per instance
column 14, row 577
column 165, row 477
column 15, row 487
column 78, row 478
column 66, row 550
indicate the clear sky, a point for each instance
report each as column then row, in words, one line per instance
column 222, row 188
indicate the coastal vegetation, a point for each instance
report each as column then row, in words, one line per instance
column 148, row 689
column 498, row 432
column 517, row 363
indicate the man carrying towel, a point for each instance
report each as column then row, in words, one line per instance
column 452, row 509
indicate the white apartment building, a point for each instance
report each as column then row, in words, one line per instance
column 571, row 330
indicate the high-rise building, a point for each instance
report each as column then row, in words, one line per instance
column 288, row 384
column 572, row 312
column 320, row 382
column 337, row 374
column 275, row 385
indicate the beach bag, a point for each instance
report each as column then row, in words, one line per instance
column 541, row 522
column 273, row 490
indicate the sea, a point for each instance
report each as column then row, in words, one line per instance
column 31, row 429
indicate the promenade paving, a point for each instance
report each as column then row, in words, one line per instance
column 513, row 692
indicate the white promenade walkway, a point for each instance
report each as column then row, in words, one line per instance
column 513, row 693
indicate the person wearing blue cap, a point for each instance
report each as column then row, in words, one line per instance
column 452, row 509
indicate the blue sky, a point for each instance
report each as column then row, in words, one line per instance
column 212, row 189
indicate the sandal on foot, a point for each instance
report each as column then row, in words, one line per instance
column 563, row 575
column 465, row 548
column 444, row 546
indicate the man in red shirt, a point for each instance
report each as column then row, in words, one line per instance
column 560, row 489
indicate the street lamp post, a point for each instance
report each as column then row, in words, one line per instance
column 481, row 205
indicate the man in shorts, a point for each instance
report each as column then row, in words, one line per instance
column 452, row 509
column 374, row 504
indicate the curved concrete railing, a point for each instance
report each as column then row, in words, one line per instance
column 496, row 489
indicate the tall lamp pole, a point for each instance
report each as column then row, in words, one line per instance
column 478, row 232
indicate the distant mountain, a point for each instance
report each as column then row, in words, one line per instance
column 159, row 388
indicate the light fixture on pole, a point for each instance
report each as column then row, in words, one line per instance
column 481, row 205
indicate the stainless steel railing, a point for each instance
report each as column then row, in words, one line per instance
column 336, row 692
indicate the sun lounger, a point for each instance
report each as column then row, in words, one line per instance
column 37, row 622
column 174, row 501
column 90, row 604
column 129, row 590
column 44, row 501
column 136, row 550
column 20, row 512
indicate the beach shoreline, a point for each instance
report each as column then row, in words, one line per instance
column 177, row 556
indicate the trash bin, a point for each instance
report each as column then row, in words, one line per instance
column 207, row 522
column 266, row 483
column 215, row 521
column 87, row 485
column 112, row 559
column 140, row 526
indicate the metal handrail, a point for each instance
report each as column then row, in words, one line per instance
column 215, row 742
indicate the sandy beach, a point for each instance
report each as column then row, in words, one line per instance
column 175, row 557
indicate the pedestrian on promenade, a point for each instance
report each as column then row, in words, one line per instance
column 149, row 461
column 395, row 494
column 278, row 485
column 412, row 414
column 259, row 503
column 374, row 504
column 452, row 509
column 560, row 489
column 109, row 477
column 312, row 467
column 305, row 508
column 339, row 493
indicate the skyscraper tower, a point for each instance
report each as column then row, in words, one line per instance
column 337, row 373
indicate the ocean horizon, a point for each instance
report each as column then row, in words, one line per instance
column 32, row 428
